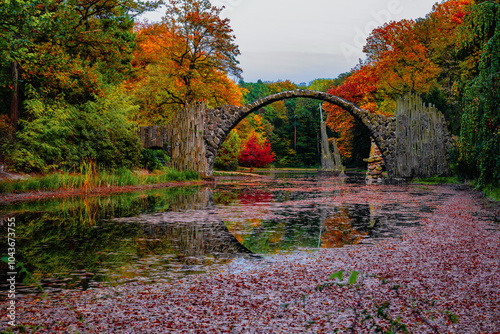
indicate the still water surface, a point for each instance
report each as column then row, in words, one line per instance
column 164, row 234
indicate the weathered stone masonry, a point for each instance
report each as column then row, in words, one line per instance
column 220, row 121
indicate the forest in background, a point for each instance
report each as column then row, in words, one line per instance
column 78, row 77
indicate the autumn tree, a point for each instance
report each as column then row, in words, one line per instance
column 157, row 83
column 359, row 88
column 439, row 33
column 256, row 152
column 207, row 40
column 185, row 58
column 402, row 62
column 67, row 49
column 64, row 61
column 278, row 120
column 403, row 56
column 291, row 126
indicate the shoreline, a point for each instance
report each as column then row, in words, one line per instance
column 12, row 198
column 40, row 195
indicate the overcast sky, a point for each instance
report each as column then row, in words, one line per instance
column 302, row 40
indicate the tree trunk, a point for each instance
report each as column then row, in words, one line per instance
column 14, row 96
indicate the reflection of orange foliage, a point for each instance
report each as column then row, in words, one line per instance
column 276, row 236
column 238, row 237
column 238, row 230
column 255, row 222
column 339, row 232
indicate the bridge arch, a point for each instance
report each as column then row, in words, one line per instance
column 220, row 121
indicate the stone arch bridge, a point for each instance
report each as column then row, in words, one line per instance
column 413, row 143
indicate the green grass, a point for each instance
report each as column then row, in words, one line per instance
column 89, row 178
column 492, row 192
column 356, row 170
column 489, row 191
column 437, row 180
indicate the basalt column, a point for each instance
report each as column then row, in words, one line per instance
column 188, row 147
column 422, row 140
column 156, row 136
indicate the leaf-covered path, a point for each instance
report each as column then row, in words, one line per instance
column 443, row 277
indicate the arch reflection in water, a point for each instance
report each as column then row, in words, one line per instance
column 310, row 212
column 164, row 234
column 193, row 227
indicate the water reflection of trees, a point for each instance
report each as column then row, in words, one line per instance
column 339, row 231
column 306, row 217
column 336, row 228
column 75, row 241
column 295, row 226
column 99, row 239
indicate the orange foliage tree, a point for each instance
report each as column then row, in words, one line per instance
column 360, row 88
column 402, row 56
column 402, row 62
column 185, row 58
column 439, row 33
column 67, row 50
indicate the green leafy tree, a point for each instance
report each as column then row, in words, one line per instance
column 60, row 135
column 292, row 126
column 323, row 85
column 64, row 49
column 479, row 150
column 60, row 63
column 227, row 156
column 153, row 159
column 254, row 90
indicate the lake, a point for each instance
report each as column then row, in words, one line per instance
column 165, row 234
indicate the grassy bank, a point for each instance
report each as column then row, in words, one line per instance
column 489, row 191
column 88, row 178
column 437, row 180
